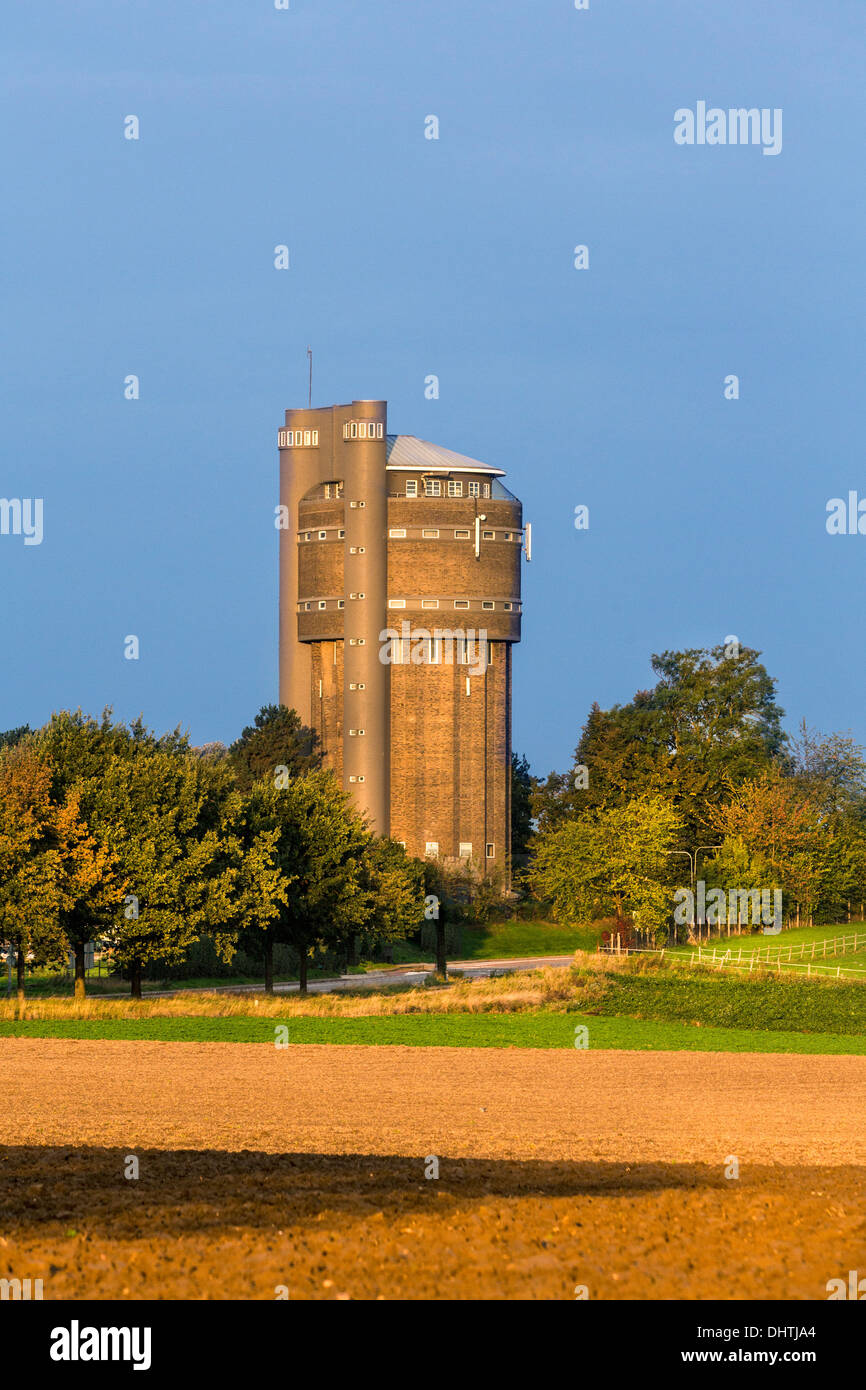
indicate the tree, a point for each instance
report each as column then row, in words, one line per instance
column 28, row 891
column 277, row 739
column 522, row 783
column 161, row 815
column 710, row 722
column 612, row 858
column 833, row 768
column 153, row 810
column 252, row 823
column 395, row 885
column 88, row 886
column 320, row 849
column 9, row 737
column 780, row 826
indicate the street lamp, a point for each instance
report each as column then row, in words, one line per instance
column 691, row 880
column 692, row 856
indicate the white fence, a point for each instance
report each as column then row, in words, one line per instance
column 810, row 956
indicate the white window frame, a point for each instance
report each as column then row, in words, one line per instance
column 455, row 487
column 430, row 534
column 431, row 849
column 465, row 849
column 490, row 848
column 473, row 489
column 461, row 534
column 411, row 487
column 432, row 487
column 397, row 533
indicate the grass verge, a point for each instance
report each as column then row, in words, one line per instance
column 535, row 1028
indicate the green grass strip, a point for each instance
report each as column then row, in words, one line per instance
column 533, row 1029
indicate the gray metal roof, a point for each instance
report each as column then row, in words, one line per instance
column 417, row 455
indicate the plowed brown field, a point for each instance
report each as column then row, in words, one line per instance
column 305, row 1167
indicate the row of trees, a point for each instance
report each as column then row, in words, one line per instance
column 113, row 832
column 696, row 778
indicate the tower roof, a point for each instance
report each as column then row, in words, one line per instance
column 410, row 454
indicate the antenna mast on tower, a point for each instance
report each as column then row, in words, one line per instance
column 310, row 355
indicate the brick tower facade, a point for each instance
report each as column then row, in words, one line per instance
column 399, row 605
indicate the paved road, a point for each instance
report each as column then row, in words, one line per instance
column 390, row 975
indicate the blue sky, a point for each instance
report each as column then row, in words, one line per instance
column 411, row 257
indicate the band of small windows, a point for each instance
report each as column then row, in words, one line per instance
column 322, row 605
column 433, row 488
column 461, row 533
column 431, row 849
column 299, row 439
column 363, row 429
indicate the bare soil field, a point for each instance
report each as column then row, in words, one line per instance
column 305, row 1168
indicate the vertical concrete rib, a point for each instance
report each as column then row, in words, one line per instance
column 366, row 681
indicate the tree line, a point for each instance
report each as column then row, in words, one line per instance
column 113, row 832
column 695, row 778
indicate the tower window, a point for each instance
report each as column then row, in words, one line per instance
column 432, row 487
column 461, row 535
column 487, row 603
column 431, row 535
column 396, row 603
column 429, row 603
column 491, row 851
column 473, row 489
column 323, row 535
column 465, row 851
column 507, row 607
column 322, row 603
column 397, row 533
column 461, row 603
column 485, row 490
column 411, row 487
column 307, row 607
column 455, row 487
column 488, row 535
column 431, row 848
column 341, row 603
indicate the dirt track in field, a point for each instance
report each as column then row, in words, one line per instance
column 304, row 1167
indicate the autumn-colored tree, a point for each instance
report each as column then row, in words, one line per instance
column 773, row 829
column 28, row 856
column 89, row 886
